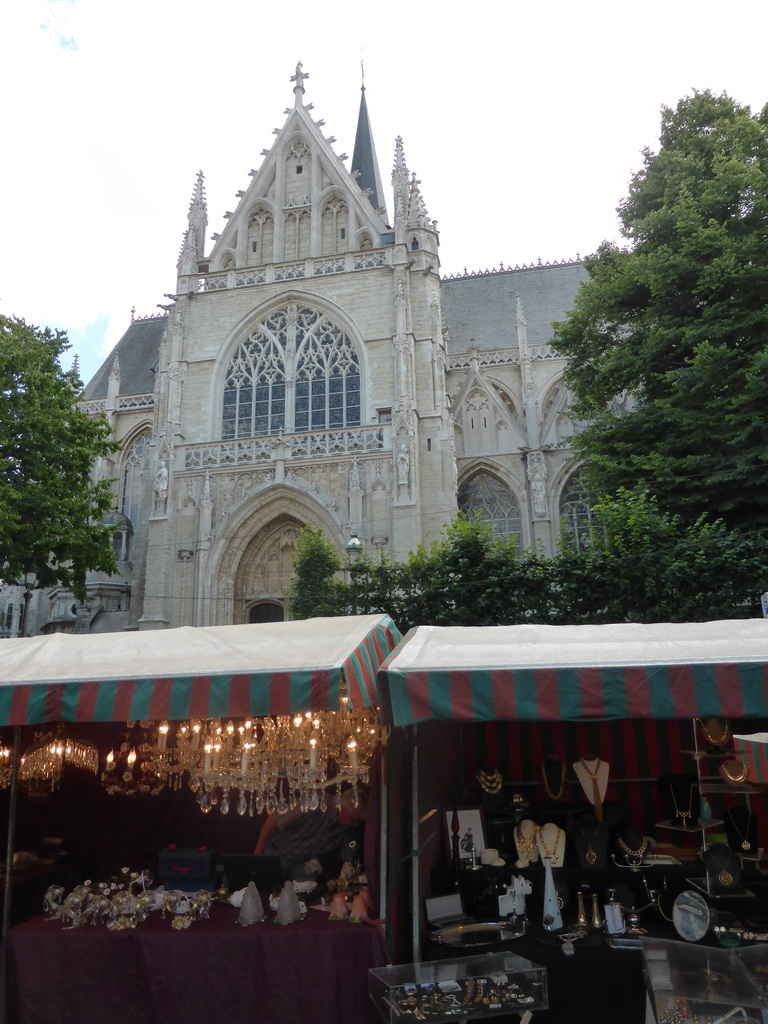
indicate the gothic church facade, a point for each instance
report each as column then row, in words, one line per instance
column 314, row 368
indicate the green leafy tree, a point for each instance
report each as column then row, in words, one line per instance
column 668, row 340
column 644, row 565
column 315, row 588
column 50, row 511
column 648, row 565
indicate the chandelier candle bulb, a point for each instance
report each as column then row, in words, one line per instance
column 162, row 736
column 352, row 747
column 313, row 754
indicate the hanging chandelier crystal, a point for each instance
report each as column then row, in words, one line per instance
column 41, row 766
column 278, row 762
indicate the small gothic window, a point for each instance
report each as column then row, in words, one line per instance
column 254, row 246
column 496, row 504
column 577, row 520
column 414, row 243
column 299, row 169
column 9, row 617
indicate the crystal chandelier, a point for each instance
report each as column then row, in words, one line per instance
column 278, row 762
column 41, row 767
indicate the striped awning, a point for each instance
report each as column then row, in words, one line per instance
column 577, row 673
column 194, row 672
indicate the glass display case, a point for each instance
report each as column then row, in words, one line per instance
column 693, row 982
column 450, row 990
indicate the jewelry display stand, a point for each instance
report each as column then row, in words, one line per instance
column 455, row 990
column 687, row 982
column 592, row 773
column 719, row 748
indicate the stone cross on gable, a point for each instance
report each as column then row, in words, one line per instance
column 299, row 77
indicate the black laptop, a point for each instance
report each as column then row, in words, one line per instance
column 241, row 868
column 446, row 911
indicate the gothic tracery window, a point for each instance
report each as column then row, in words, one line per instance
column 576, row 515
column 496, row 504
column 134, row 462
column 298, row 346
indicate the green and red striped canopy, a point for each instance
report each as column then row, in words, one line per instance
column 577, row 673
column 194, row 672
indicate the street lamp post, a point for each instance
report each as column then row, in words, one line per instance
column 354, row 548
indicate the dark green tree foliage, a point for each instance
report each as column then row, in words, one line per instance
column 50, row 511
column 676, row 324
column 315, row 590
column 644, row 565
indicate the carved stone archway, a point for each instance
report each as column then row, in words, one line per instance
column 266, row 567
column 251, row 561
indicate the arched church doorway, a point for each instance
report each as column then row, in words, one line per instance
column 266, row 611
column 262, row 579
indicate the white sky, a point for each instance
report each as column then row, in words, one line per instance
column 523, row 122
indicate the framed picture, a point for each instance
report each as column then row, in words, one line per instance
column 471, row 830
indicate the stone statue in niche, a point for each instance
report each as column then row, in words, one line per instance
column 161, row 483
column 537, row 474
column 403, row 467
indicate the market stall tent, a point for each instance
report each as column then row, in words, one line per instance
column 577, row 673
column 199, row 672
column 644, row 678
column 238, row 671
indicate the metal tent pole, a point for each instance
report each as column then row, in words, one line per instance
column 14, row 793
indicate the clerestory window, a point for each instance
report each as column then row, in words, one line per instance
column 297, row 371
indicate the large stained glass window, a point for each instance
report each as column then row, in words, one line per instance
column 294, row 345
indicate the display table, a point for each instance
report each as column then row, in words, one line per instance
column 315, row 971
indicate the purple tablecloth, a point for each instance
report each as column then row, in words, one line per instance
column 311, row 972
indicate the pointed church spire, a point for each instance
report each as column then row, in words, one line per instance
column 400, row 187
column 364, row 157
column 197, row 220
column 417, row 211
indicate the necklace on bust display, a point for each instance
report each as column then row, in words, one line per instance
column 596, row 798
column 745, row 843
column 685, row 815
column 723, row 864
column 490, row 782
column 554, row 853
column 590, row 856
column 545, row 779
column 526, row 845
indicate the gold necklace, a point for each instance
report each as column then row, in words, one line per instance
column 553, row 853
column 745, row 843
column 597, row 800
column 561, row 791
column 590, row 855
column 490, row 782
column 526, row 844
column 715, row 741
column 683, row 814
column 635, row 854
